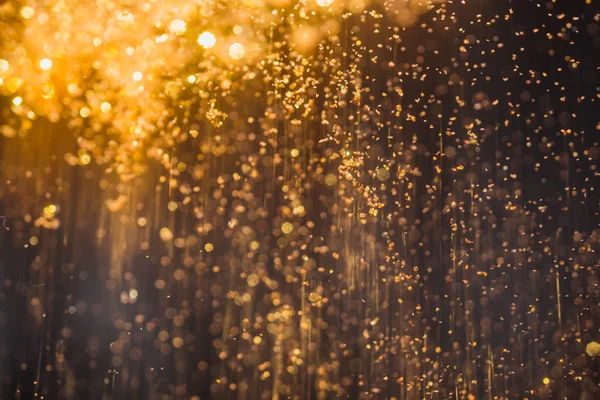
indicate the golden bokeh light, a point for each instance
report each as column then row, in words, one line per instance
column 207, row 40
column 299, row 199
column 237, row 51
column 46, row 64
column 324, row 3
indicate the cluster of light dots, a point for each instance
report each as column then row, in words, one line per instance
column 300, row 199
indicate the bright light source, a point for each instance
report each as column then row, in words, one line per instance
column 207, row 40
column 46, row 64
column 237, row 51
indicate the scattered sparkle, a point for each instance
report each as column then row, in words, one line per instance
column 300, row 199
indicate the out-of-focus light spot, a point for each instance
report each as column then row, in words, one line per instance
column 46, row 64
column 305, row 38
column 324, row 3
column 593, row 349
column 84, row 112
column 17, row 101
column 287, row 227
column 27, row 12
column 238, row 29
column 13, row 84
column 4, row 65
column 208, row 247
column 177, row 26
column 207, row 40
column 191, row 79
column 137, row 76
column 237, row 51
column 166, row 234
column 546, row 381
column 313, row 297
column 253, row 280
column 125, row 18
column 105, row 107
column 330, row 179
column 47, row 91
